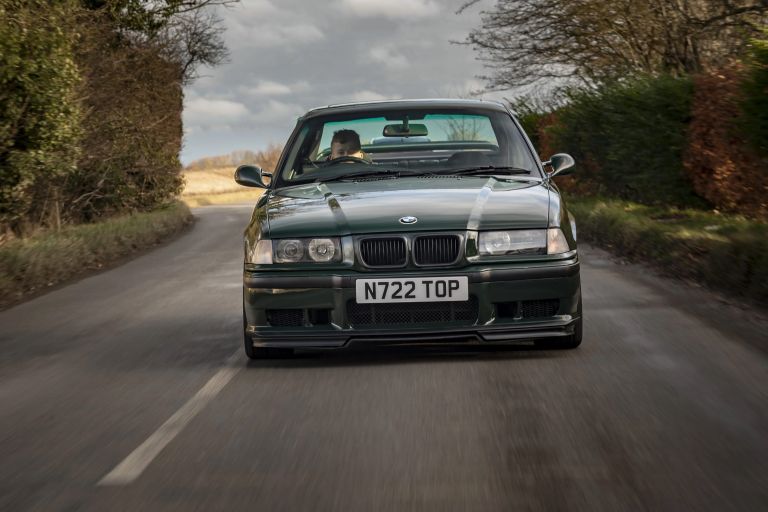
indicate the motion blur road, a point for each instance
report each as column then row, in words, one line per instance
column 128, row 390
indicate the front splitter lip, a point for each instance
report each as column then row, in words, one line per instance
column 495, row 334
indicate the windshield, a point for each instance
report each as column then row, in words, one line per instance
column 405, row 142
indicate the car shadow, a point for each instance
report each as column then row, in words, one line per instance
column 410, row 354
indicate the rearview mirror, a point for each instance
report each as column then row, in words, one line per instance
column 405, row 130
column 251, row 176
column 561, row 163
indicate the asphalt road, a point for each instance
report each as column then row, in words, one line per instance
column 128, row 391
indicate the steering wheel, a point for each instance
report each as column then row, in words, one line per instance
column 347, row 158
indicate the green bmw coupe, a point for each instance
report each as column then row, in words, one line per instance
column 412, row 221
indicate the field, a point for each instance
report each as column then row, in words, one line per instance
column 215, row 186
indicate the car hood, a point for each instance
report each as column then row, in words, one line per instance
column 439, row 203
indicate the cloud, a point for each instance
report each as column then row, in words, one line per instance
column 278, row 111
column 201, row 112
column 253, row 9
column 259, row 24
column 397, row 9
column 267, row 88
column 389, row 57
column 368, row 96
column 281, row 35
column 289, row 55
column 470, row 88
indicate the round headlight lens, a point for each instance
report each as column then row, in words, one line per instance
column 495, row 242
column 322, row 249
column 289, row 251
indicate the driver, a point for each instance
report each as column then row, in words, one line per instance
column 346, row 143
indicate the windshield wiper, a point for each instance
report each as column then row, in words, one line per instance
column 372, row 173
column 485, row 169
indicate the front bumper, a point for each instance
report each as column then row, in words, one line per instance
column 493, row 286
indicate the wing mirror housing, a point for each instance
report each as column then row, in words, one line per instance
column 561, row 164
column 251, row 176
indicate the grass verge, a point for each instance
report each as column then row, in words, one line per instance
column 222, row 198
column 726, row 252
column 44, row 259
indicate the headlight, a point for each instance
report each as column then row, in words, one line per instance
column 261, row 254
column 322, row 249
column 288, row 251
column 295, row 250
column 524, row 241
column 556, row 242
column 495, row 242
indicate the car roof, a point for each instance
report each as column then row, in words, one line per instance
column 437, row 103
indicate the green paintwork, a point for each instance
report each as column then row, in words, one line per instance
column 349, row 209
column 250, row 176
column 568, row 289
column 448, row 203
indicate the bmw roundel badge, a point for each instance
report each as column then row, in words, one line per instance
column 408, row 219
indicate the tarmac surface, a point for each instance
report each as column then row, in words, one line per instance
column 129, row 390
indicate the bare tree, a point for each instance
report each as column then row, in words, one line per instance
column 186, row 32
column 590, row 41
column 191, row 39
column 463, row 129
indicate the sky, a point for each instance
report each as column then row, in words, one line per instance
column 287, row 56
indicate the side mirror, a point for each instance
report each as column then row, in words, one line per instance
column 561, row 163
column 251, row 176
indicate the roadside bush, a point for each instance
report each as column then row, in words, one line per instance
column 628, row 139
column 90, row 105
column 724, row 168
column 132, row 103
column 727, row 252
column 39, row 114
column 754, row 105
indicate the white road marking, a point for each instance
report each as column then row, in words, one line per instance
column 135, row 463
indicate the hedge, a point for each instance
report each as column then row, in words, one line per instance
column 726, row 252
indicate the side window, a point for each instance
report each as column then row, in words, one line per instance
column 298, row 145
column 313, row 146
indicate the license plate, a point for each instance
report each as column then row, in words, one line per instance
column 412, row 289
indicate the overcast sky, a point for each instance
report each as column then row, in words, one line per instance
column 291, row 55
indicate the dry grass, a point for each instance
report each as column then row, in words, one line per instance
column 215, row 186
column 29, row 265
column 241, row 196
column 210, row 181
